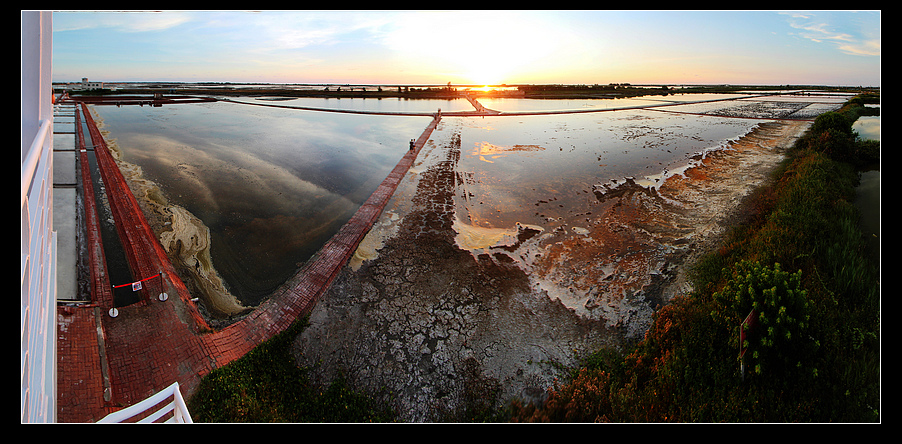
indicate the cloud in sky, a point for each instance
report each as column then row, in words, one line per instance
column 127, row 22
column 842, row 30
column 469, row 46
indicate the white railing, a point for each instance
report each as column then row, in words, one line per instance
column 176, row 406
column 30, row 164
column 38, row 280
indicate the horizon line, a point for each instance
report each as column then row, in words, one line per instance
column 472, row 84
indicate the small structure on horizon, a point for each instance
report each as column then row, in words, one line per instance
column 88, row 86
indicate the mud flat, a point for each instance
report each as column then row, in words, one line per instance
column 434, row 315
column 629, row 256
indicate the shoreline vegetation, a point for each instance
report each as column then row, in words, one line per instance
column 799, row 262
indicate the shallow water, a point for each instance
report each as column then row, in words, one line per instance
column 533, row 169
column 867, row 127
column 274, row 184
column 867, row 198
column 533, row 105
column 399, row 105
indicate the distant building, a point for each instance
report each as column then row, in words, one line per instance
column 88, row 86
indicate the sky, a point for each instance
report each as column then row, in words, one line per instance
column 433, row 47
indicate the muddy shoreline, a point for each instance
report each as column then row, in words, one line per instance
column 422, row 317
column 185, row 239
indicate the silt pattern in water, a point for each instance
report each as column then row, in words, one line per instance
column 271, row 185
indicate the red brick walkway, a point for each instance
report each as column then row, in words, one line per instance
column 80, row 384
column 153, row 343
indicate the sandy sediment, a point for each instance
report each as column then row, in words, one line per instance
column 188, row 244
column 184, row 237
column 639, row 239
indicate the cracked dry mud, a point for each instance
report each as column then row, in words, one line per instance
column 425, row 321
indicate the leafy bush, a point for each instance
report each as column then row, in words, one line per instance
column 867, row 152
column 778, row 337
column 832, row 121
column 831, row 134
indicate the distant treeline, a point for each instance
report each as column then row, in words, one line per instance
column 585, row 88
column 542, row 91
column 591, row 91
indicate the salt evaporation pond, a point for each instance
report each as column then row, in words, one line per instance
column 536, row 169
column 383, row 105
column 544, row 169
column 273, row 184
column 867, row 197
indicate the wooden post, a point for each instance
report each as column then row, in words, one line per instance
column 744, row 329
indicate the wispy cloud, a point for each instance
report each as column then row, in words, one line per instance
column 847, row 37
column 299, row 29
column 123, row 21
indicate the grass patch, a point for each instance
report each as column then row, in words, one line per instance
column 266, row 386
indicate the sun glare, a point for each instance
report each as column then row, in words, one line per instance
column 483, row 69
column 483, row 49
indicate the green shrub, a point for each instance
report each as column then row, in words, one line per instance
column 831, row 134
column 867, row 152
column 778, row 343
column 832, row 121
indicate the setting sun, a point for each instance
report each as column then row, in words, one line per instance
column 481, row 49
column 485, row 76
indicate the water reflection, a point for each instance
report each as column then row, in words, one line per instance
column 534, row 105
column 533, row 169
column 867, row 127
column 398, row 105
column 272, row 185
column 867, row 198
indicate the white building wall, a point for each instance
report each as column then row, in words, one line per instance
column 38, row 243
